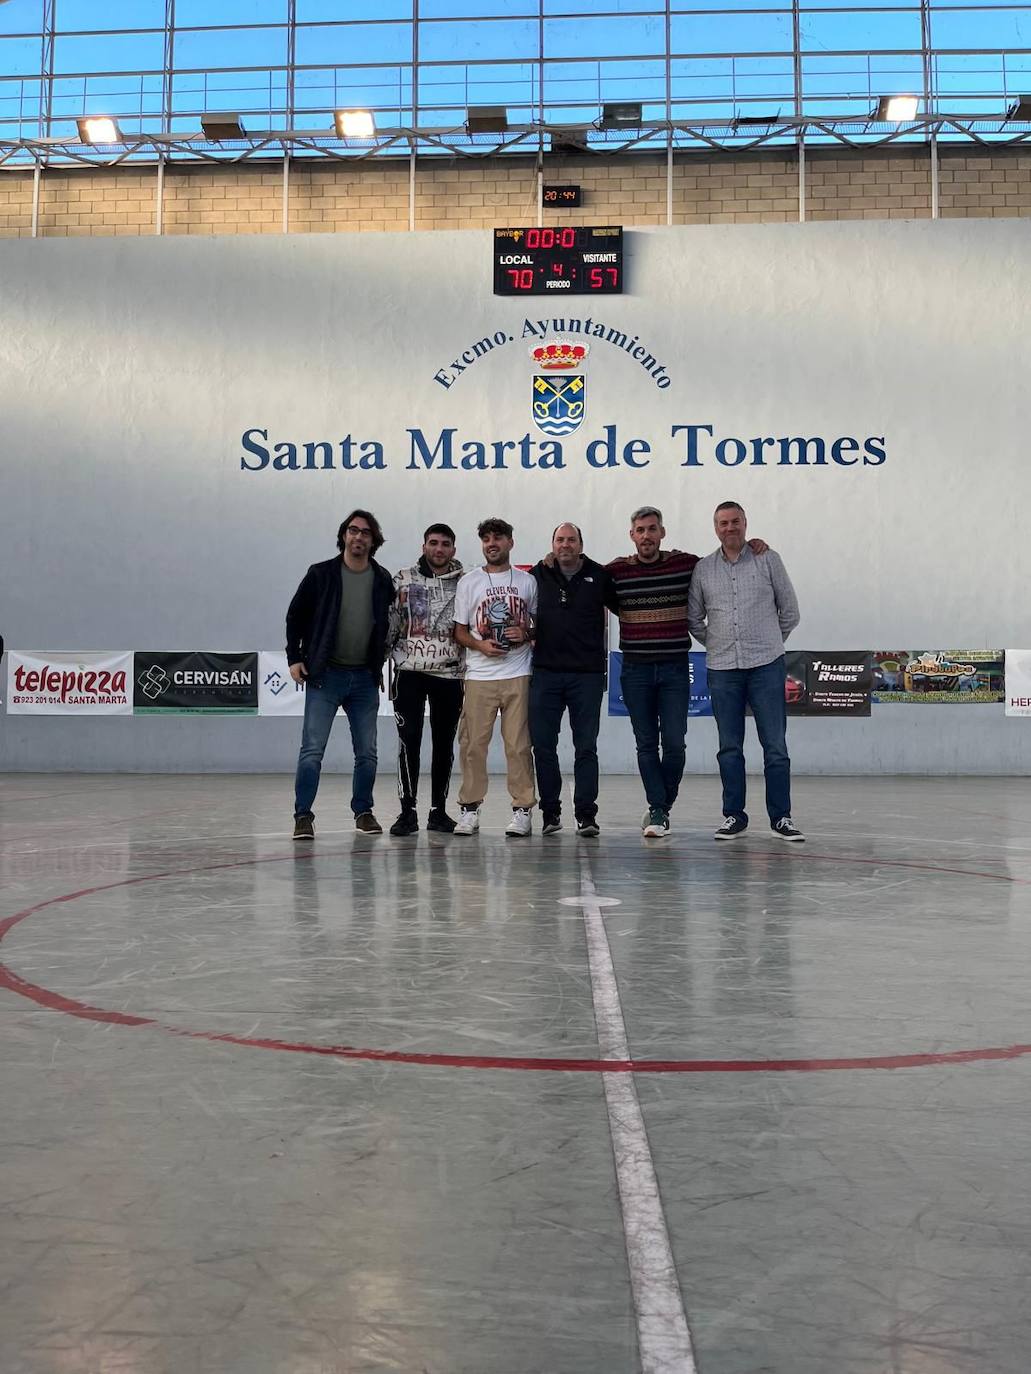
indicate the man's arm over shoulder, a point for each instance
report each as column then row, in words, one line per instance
column 783, row 594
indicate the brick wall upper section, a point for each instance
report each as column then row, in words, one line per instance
column 373, row 196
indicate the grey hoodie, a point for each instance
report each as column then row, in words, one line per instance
column 420, row 636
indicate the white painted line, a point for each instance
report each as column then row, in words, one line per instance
column 663, row 1336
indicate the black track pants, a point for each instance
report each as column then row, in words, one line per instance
column 411, row 692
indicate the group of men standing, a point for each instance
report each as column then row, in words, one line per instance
column 530, row 647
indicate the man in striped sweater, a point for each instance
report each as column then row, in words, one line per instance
column 651, row 587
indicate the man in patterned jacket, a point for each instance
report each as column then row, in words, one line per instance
column 428, row 666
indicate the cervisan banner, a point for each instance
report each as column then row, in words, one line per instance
column 195, row 683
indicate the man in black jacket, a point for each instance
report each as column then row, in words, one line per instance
column 569, row 674
column 336, row 636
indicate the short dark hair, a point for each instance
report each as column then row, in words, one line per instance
column 728, row 505
column 377, row 534
column 439, row 529
column 555, row 531
column 494, row 525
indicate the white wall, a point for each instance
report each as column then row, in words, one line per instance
column 129, row 369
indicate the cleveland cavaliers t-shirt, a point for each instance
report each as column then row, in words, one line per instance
column 490, row 602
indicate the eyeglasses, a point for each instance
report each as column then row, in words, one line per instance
column 355, row 530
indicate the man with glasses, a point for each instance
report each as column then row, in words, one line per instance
column 336, row 636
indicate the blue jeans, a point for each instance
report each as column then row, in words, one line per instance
column 657, row 696
column 356, row 690
column 550, row 694
column 763, row 690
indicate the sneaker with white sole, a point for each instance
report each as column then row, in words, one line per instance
column 657, row 826
column 552, row 823
column 786, row 829
column 520, row 824
column 468, row 821
column 732, row 827
column 588, row 828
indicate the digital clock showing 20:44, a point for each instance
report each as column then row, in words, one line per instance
column 576, row 260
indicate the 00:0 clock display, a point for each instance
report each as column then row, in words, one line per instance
column 574, row 260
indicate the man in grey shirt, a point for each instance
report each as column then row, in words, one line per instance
column 742, row 607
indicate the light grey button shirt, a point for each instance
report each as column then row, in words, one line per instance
column 742, row 612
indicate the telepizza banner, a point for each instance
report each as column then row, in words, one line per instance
column 1018, row 682
column 941, row 676
column 195, row 683
column 700, row 704
column 44, row 683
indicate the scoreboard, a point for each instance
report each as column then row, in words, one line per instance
column 575, row 260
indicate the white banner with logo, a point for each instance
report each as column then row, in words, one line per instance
column 1018, row 682
column 60, row 683
column 279, row 695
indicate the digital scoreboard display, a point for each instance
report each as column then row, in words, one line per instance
column 558, row 261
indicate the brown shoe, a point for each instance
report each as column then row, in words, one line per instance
column 304, row 829
column 368, row 824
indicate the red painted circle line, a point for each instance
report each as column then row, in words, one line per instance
column 55, row 1001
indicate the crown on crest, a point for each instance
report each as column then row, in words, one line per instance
column 560, row 356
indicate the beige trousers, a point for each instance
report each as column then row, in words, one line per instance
column 480, row 707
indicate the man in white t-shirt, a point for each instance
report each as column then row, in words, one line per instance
column 494, row 610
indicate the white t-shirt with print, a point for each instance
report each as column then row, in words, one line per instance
column 489, row 602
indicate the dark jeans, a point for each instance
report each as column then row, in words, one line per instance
column 763, row 690
column 356, row 690
column 581, row 694
column 657, row 696
column 411, row 692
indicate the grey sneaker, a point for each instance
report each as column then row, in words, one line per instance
column 304, row 828
column 657, row 827
column 786, row 829
column 368, row 824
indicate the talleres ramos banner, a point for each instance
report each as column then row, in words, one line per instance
column 942, row 676
column 69, row 683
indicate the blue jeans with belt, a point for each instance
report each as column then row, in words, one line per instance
column 762, row 688
column 357, row 691
column 657, row 696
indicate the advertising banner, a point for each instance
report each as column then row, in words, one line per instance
column 41, row 683
column 941, row 676
column 837, row 682
column 195, row 683
column 700, row 705
column 279, row 695
column 1018, row 682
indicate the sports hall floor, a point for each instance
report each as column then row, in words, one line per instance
column 821, row 1157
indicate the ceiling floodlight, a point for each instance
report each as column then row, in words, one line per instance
column 486, row 119
column 1020, row 109
column 354, row 124
column 621, row 115
column 98, row 129
column 895, row 109
column 218, row 128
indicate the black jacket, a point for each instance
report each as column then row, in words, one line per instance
column 571, row 618
column 311, row 620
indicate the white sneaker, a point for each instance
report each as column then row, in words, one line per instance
column 468, row 821
column 520, row 824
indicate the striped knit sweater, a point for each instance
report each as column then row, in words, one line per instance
column 653, row 605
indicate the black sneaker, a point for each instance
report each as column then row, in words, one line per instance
column 552, row 823
column 407, row 823
column 732, row 827
column 439, row 820
column 304, row 828
column 588, row 828
column 786, row 829
column 368, row 824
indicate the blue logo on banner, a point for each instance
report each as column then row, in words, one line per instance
column 701, row 703
column 558, row 403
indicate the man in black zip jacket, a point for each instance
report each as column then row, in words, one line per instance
column 336, row 639
column 569, row 661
